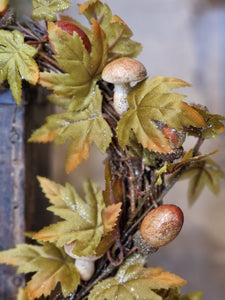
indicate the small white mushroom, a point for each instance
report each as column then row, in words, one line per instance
column 85, row 264
column 121, row 72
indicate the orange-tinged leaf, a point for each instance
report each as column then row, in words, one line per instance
column 117, row 19
column 45, row 136
column 80, row 129
column 149, row 104
column 161, row 279
column 110, row 219
column 133, row 281
column 82, row 69
column 190, row 114
column 75, row 156
column 50, row 265
column 82, row 221
column 85, row 5
column 110, row 216
column 213, row 121
column 118, row 34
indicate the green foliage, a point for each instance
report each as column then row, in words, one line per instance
column 82, row 69
column 150, row 102
column 82, row 219
column 203, row 173
column 187, row 160
column 80, row 128
column 148, row 132
column 47, row 9
column 117, row 32
column 214, row 125
column 50, row 264
column 16, row 62
column 133, row 281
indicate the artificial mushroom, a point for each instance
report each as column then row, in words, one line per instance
column 159, row 227
column 121, row 72
column 84, row 264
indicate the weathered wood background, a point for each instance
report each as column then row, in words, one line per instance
column 12, row 174
column 183, row 39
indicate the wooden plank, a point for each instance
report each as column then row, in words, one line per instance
column 12, row 173
column 22, row 204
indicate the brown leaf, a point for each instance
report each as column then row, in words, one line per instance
column 110, row 216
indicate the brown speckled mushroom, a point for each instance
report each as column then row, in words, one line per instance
column 121, row 72
column 159, row 227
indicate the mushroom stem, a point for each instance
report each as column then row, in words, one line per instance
column 120, row 97
column 85, row 267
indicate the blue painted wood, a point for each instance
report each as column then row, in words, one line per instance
column 11, row 187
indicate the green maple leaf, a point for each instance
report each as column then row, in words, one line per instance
column 47, row 9
column 16, row 62
column 80, row 128
column 149, row 102
column 203, row 173
column 118, row 34
column 50, row 264
column 214, row 125
column 82, row 219
column 83, row 70
column 133, row 281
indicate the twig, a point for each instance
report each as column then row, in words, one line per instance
column 51, row 61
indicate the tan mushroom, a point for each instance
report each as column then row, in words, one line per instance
column 121, row 72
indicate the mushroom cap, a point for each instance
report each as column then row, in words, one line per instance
column 124, row 70
column 161, row 225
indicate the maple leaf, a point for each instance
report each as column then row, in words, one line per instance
column 82, row 69
column 110, row 219
column 113, row 196
column 214, row 125
column 133, row 281
column 117, row 32
column 203, row 173
column 47, row 9
column 16, row 62
column 80, row 128
column 110, row 216
column 50, row 264
column 82, row 219
column 149, row 102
